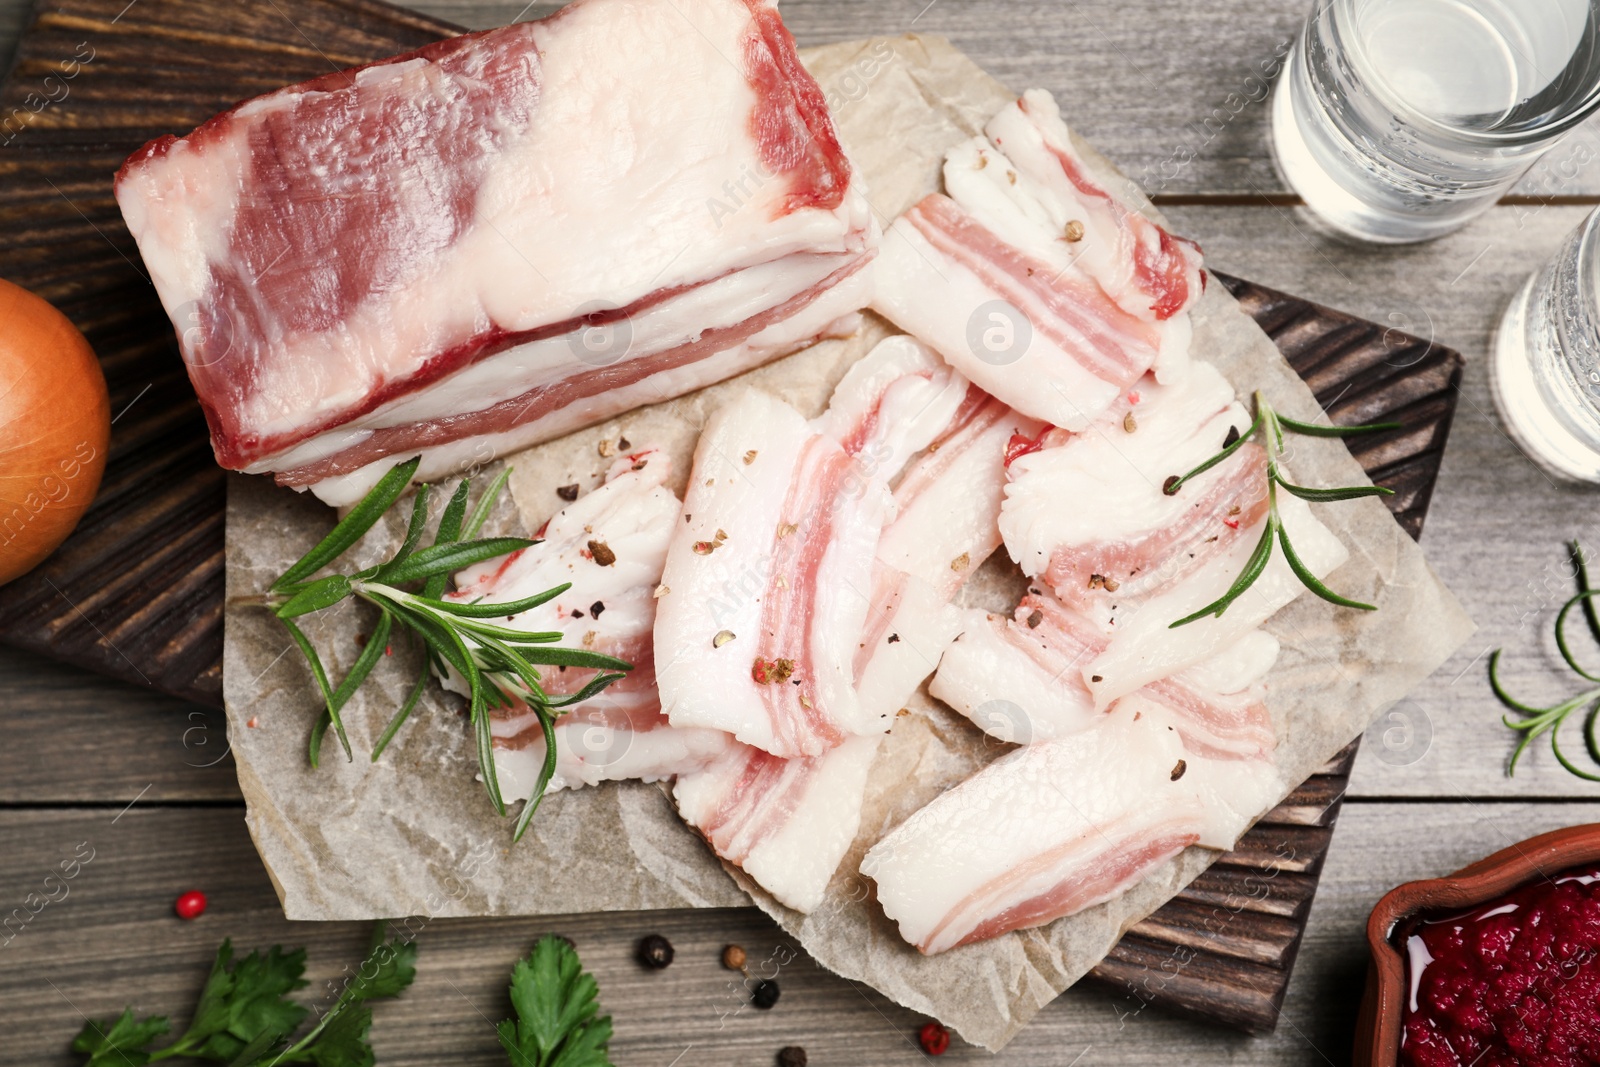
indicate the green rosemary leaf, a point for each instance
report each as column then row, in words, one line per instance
column 482, row 609
column 1580, row 567
column 1506, row 698
column 1252, row 570
column 321, row 676
column 1516, row 753
column 1590, row 740
column 1310, row 581
column 574, row 657
column 1312, row 430
column 546, row 772
column 480, row 514
column 449, row 530
column 1328, row 496
column 318, row 730
column 402, row 715
column 593, row 689
column 375, row 648
column 414, row 531
column 439, row 639
column 350, row 529
column 1555, row 746
column 1586, row 598
column 322, row 593
column 479, row 714
column 442, row 560
column 1173, row 486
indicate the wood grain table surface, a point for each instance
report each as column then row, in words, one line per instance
column 1173, row 94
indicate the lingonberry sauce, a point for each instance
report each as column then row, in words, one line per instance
column 1515, row 981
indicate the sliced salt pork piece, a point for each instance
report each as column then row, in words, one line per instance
column 500, row 238
column 892, row 404
column 1047, row 341
column 1020, row 680
column 767, row 583
column 609, row 545
column 947, row 503
column 1148, row 271
column 1089, row 516
column 616, row 736
column 786, row 823
column 1144, row 645
column 1047, row 831
column 909, row 626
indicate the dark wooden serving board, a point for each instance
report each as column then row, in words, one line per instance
column 136, row 593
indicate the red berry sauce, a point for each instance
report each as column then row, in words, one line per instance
column 1511, row 982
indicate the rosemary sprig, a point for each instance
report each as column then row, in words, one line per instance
column 1269, row 427
column 1536, row 721
column 498, row 664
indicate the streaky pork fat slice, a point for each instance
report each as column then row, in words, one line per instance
column 786, row 823
column 767, row 583
column 610, row 608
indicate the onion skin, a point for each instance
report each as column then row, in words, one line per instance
column 55, row 429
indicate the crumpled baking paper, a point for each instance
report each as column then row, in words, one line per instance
column 413, row 834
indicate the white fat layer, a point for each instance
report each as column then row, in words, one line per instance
column 923, row 625
column 588, row 753
column 737, row 507
column 944, row 528
column 1144, row 647
column 1233, row 793
column 1006, row 692
column 644, row 119
column 1104, row 485
column 1235, row 668
column 680, row 320
column 945, row 305
column 796, row 861
column 1081, row 799
column 914, row 393
column 830, row 315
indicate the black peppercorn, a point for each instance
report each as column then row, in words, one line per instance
column 765, row 994
column 655, row 952
column 792, row 1056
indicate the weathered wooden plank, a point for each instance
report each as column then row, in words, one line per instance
column 113, row 938
column 74, row 737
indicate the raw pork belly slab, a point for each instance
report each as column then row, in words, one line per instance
column 1059, row 826
column 787, row 823
column 1041, row 286
column 610, row 608
column 767, row 583
column 500, row 238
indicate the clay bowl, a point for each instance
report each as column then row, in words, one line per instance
column 1378, row 1027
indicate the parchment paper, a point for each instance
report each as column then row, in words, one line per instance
column 414, row 835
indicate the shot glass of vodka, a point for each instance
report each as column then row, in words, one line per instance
column 1400, row 120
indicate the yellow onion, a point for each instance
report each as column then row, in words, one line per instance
column 55, row 429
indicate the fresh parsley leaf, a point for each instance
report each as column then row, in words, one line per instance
column 120, row 1041
column 245, row 1003
column 556, row 1001
column 244, row 1017
column 343, row 1043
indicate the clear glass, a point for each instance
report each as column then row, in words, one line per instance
column 1399, row 120
column 1545, row 366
